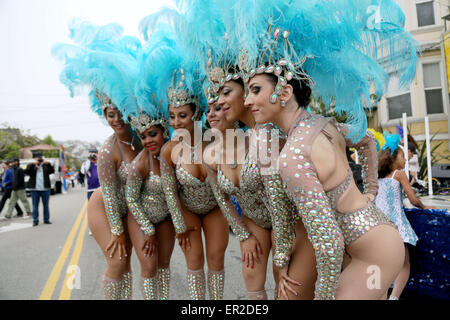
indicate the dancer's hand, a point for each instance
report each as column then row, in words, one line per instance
column 183, row 238
column 117, row 242
column 284, row 283
column 251, row 249
column 370, row 197
column 150, row 245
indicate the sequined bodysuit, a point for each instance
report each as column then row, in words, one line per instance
column 327, row 229
column 261, row 196
column 146, row 199
column 113, row 185
column 181, row 187
column 250, row 195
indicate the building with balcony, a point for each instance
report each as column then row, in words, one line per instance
column 428, row 95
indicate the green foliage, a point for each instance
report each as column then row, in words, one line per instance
column 318, row 107
column 435, row 157
column 8, row 147
column 49, row 140
column 13, row 139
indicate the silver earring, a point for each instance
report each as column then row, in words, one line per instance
column 283, row 103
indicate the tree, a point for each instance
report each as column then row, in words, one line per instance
column 8, row 147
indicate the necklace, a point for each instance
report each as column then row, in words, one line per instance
column 193, row 152
column 128, row 143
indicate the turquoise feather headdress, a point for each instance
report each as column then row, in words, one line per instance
column 105, row 61
column 392, row 142
column 338, row 47
column 182, row 83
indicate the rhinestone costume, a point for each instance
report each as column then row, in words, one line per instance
column 113, row 184
column 149, row 288
column 250, row 195
column 327, row 229
column 179, row 185
column 146, row 199
column 197, row 284
column 216, row 281
column 163, row 276
column 196, row 195
column 127, row 286
column 367, row 156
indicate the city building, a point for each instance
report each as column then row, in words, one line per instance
column 428, row 95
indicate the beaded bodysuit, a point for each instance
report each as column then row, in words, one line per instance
column 327, row 229
column 179, row 184
column 261, row 196
column 113, row 185
column 146, row 199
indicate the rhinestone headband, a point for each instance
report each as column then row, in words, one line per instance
column 104, row 100
column 143, row 121
column 284, row 69
column 177, row 95
column 218, row 73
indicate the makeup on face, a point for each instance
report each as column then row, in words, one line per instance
column 231, row 99
column 216, row 118
column 152, row 139
column 258, row 99
column 114, row 118
column 181, row 117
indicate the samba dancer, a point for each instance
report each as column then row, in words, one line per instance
column 190, row 199
column 313, row 162
column 105, row 61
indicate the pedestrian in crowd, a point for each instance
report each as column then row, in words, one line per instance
column 392, row 182
column 356, row 169
column 18, row 190
column 80, row 178
column 39, row 185
column 413, row 161
column 89, row 169
column 7, row 183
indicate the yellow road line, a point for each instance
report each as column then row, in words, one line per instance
column 73, row 272
column 49, row 288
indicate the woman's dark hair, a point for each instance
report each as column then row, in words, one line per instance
column 386, row 161
column 193, row 107
column 412, row 144
column 302, row 90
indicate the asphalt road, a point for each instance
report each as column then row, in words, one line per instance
column 42, row 262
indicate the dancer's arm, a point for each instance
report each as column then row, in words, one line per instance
column 312, row 204
column 109, row 184
column 368, row 159
column 133, row 195
column 266, row 138
column 169, row 183
column 227, row 207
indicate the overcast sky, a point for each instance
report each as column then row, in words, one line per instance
column 31, row 96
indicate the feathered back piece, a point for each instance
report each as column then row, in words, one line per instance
column 379, row 138
column 158, row 60
column 182, row 82
column 103, row 60
column 341, row 48
column 199, row 27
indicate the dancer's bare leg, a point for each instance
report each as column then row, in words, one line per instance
column 402, row 278
column 255, row 278
column 215, row 227
column 117, row 268
column 376, row 260
column 302, row 267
